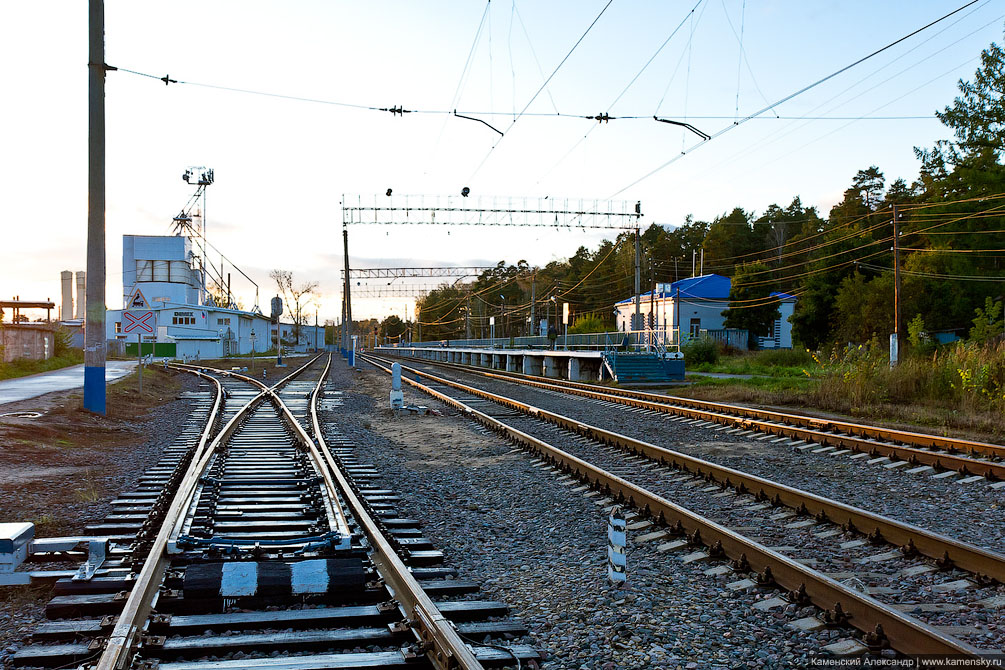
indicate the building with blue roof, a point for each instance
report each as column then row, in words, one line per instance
column 693, row 308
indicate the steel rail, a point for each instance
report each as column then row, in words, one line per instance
column 441, row 643
column 121, row 642
column 791, row 425
column 342, row 523
column 908, row 537
column 904, row 633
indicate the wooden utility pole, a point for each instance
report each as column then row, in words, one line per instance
column 94, row 315
column 898, row 340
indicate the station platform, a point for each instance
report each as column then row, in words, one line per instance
column 571, row 364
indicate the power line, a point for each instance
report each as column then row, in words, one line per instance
column 933, row 275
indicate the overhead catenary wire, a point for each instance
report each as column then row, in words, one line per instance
column 792, row 95
column 785, row 131
column 397, row 110
column 543, row 86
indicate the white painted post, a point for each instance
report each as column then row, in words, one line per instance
column 616, row 541
column 397, row 398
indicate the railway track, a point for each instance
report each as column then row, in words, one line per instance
column 265, row 543
column 917, row 452
column 920, row 594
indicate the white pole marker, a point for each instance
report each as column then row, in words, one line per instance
column 617, row 532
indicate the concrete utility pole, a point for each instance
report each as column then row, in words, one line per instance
column 533, row 299
column 896, row 340
column 652, row 298
column 467, row 317
column 347, row 323
column 94, row 317
column 676, row 316
column 638, row 284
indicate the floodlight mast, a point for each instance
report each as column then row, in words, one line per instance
column 202, row 177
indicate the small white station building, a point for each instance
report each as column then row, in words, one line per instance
column 695, row 306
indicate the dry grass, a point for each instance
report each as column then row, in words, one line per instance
column 957, row 390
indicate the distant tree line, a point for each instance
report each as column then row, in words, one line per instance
column 952, row 241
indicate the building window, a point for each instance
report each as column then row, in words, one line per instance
column 118, row 326
column 223, row 322
column 695, row 327
column 182, row 320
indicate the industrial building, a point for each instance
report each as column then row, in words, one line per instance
column 161, row 274
column 693, row 308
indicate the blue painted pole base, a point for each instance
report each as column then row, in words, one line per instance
column 94, row 389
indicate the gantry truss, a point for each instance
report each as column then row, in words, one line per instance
column 398, row 273
column 394, row 291
column 391, row 210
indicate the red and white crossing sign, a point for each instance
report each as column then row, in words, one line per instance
column 138, row 322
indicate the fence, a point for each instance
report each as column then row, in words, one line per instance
column 727, row 337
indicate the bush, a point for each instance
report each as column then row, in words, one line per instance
column 587, row 324
column 700, row 351
column 61, row 342
column 988, row 323
column 783, row 358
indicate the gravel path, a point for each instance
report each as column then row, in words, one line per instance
column 969, row 512
column 539, row 544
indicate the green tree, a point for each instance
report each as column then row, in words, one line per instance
column 812, row 320
column 750, row 303
column 988, row 322
column 587, row 324
column 869, row 184
column 391, row 328
column 730, row 240
column 863, row 307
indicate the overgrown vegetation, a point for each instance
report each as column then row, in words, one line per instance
column 701, row 352
column 968, row 377
column 23, row 367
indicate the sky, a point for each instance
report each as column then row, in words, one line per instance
column 284, row 164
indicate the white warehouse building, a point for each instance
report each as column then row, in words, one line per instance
column 159, row 276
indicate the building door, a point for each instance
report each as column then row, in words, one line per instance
column 695, row 327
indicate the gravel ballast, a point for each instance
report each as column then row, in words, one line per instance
column 537, row 541
column 968, row 512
